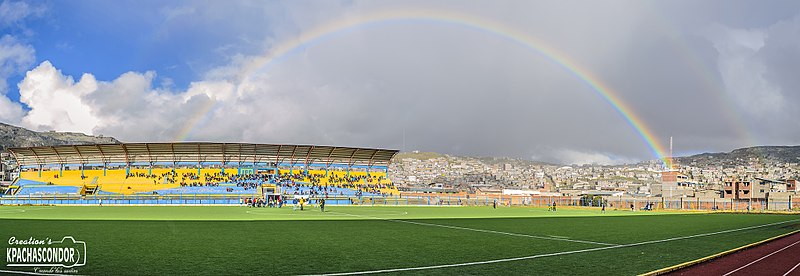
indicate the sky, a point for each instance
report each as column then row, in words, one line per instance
column 480, row 78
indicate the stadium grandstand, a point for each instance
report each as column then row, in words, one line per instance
column 197, row 173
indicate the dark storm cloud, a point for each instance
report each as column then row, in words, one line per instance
column 689, row 70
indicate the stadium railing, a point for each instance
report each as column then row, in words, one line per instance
column 619, row 203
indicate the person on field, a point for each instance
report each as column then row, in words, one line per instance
column 302, row 200
column 554, row 206
column 294, row 204
column 603, row 210
column 322, row 205
column 494, row 204
column 632, row 207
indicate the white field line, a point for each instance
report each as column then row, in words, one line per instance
column 557, row 253
column 22, row 210
column 790, row 270
column 478, row 230
column 759, row 259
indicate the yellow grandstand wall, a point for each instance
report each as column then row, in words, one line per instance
column 115, row 181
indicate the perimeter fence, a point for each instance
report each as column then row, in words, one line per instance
column 623, row 203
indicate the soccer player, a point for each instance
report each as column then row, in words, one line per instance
column 322, row 205
column 603, row 210
column 554, row 206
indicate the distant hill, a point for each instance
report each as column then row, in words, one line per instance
column 14, row 136
column 418, row 155
column 762, row 154
column 486, row 160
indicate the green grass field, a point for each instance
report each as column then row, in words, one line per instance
column 413, row 240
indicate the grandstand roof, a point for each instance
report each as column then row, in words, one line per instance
column 231, row 153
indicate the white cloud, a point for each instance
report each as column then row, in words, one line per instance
column 454, row 89
column 568, row 156
column 742, row 70
column 759, row 69
column 55, row 100
column 15, row 57
column 13, row 12
column 128, row 107
column 10, row 111
column 451, row 88
column 174, row 12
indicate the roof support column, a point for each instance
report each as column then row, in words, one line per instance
column 104, row 168
column 60, row 170
column 40, row 170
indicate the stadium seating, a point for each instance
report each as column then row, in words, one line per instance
column 118, row 182
column 33, row 189
column 222, row 189
column 334, row 177
column 308, row 190
column 375, row 182
column 23, row 182
column 211, row 181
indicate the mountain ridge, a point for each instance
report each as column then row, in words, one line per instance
column 742, row 156
column 14, row 136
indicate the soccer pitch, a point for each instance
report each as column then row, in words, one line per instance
column 138, row 240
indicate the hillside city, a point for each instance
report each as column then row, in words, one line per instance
column 430, row 172
column 440, row 173
column 747, row 173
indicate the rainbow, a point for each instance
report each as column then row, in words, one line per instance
column 323, row 31
column 194, row 120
